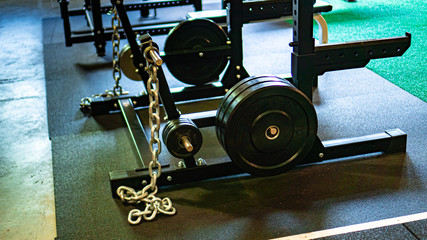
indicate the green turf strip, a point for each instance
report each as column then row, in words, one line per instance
column 368, row 19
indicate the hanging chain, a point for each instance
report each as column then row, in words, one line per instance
column 153, row 204
column 117, row 73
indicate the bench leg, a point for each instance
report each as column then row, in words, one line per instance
column 323, row 28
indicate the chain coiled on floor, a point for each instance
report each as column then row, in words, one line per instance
column 153, row 204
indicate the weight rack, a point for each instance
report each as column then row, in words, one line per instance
column 308, row 62
column 97, row 33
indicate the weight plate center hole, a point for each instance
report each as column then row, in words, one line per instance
column 272, row 132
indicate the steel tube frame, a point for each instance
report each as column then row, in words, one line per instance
column 136, row 131
column 390, row 141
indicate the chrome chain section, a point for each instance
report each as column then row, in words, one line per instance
column 153, row 204
column 117, row 73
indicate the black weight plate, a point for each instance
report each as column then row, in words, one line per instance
column 191, row 35
column 175, row 130
column 266, row 125
column 233, row 96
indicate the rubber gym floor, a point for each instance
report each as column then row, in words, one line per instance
column 55, row 160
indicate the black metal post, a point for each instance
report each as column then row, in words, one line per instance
column 235, row 71
column 197, row 5
column 63, row 4
column 87, row 4
column 98, row 30
column 145, row 12
column 190, row 162
column 302, row 60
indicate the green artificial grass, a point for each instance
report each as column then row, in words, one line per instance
column 370, row 19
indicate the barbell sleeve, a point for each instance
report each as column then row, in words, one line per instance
column 156, row 58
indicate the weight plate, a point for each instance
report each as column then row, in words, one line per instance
column 266, row 125
column 195, row 34
column 173, row 134
column 232, row 95
column 126, row 64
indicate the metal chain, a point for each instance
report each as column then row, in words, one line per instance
column 117, row 74
column 153, row 204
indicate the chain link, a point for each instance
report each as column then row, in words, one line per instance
column 153, row 204
column 117, row 74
